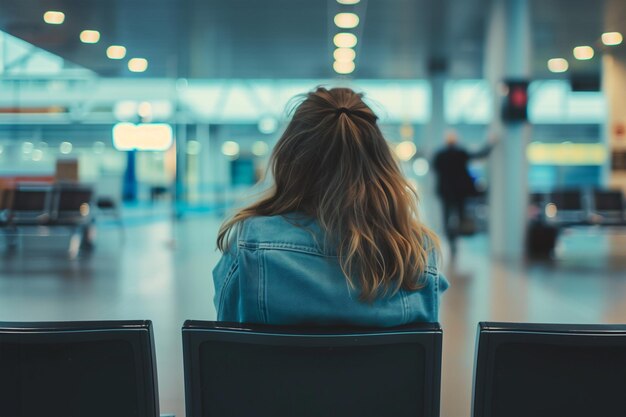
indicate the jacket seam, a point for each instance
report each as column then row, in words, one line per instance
column 436, row 303
column 431, row 270
column 262, row 289
column 227, row 281
column 405, row 307
column 285, row 247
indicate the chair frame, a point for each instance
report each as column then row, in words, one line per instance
column 197, row 332
column 97, row 330
column 557, row 334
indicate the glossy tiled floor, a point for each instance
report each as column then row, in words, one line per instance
column 163, row 273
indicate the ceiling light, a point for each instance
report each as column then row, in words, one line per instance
column 37, row 155
column 27, row 147
column 230, row 148
column 138, row 64
column 405, row 150
column 260, row 148
column 89, row 36
column 65, row 148
column 344, row 54
column 268, row 125
column 144, row 110
column 345, row 40
column 421, row 167
column 53, row 18
column 612, row 38
column 348, row 2
column 558, row 65
column 116, row 52
column 583, row 52
column 343, row 67
column 346, row 20
column 406, row 131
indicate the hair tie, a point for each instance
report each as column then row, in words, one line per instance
column 344, row 110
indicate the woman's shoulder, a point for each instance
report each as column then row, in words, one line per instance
column 294, row 229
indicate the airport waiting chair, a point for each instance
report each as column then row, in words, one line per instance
column 72, row 205
column 24, row 206
column 544, row 370
column 570, row 205
column 609, row 206
column 262, row 371
column 6, row 197
column 29, row 205
column 78, row 369
column 72, row 208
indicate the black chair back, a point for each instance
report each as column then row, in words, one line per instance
column 73, row 204
column 5, row 197
column 544, row 370
column 78, row 369
column 608, row 201
column 263, row 371
column 568, row 200
column 30, row 204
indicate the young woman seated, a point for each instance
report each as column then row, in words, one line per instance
column 337, row 239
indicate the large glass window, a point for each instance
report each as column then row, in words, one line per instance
column 553, row 101
column 237, row 101
column 468, row 101
column 18, row 57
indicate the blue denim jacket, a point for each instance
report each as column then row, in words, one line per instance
column 277, row 271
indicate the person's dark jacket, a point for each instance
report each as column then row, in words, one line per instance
column 453, row 178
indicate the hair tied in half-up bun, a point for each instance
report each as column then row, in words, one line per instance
column 343, row 110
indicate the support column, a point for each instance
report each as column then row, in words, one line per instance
column 130, row 186
column 437, row 125
column 433, row 141
column 203, row 135
column 180, row 185
column 614, row 85
column 507, row 56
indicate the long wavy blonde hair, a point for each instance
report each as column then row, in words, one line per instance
column 332, row 163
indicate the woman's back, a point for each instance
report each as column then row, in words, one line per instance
column 279, row 270
column 337, row 238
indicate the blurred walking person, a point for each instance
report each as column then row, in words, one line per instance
column 455, row 184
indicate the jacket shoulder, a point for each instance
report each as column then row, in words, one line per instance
column 281, row 231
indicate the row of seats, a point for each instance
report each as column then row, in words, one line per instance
column 581, row 206
column 45, row 205
column 109, row 369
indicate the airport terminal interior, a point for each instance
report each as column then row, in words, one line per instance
column 131, row 129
